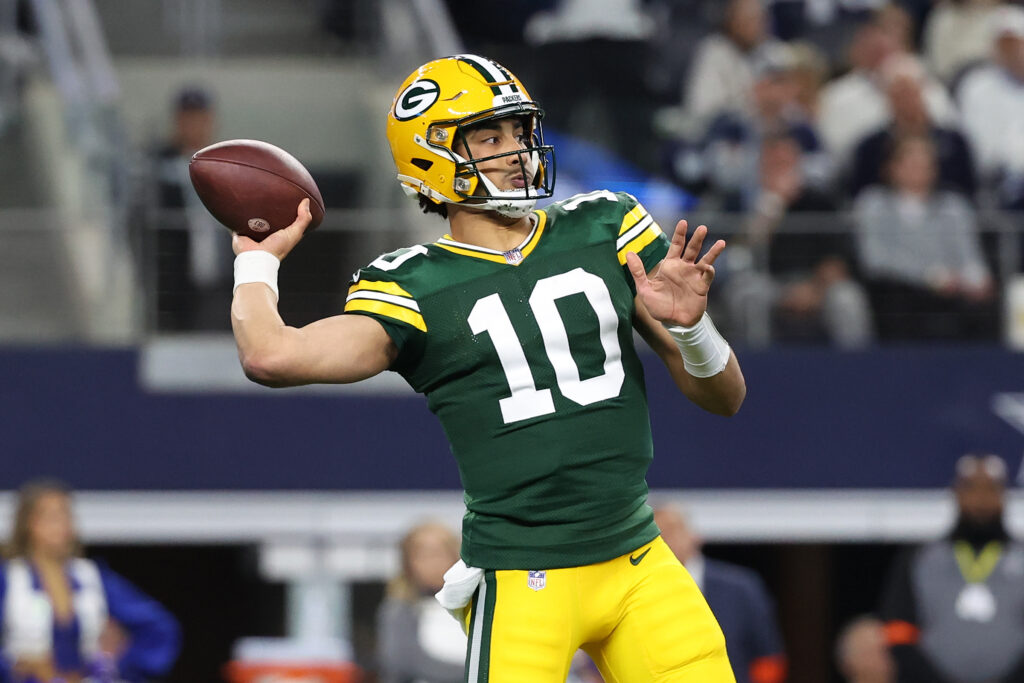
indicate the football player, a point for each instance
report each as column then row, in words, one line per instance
column 517, row 326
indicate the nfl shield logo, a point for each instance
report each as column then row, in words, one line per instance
column 512, row 257
column 536, row 579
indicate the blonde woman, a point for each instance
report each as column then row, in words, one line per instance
column 68, row 619
column 417, row 641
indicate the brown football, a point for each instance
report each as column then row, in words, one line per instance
column 253, row 187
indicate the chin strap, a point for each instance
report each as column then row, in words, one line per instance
column 509, row 203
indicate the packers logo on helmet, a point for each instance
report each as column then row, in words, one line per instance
column 416, row 99
column 427, row 123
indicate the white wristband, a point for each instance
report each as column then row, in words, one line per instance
column 257, row 266
column 705, row 352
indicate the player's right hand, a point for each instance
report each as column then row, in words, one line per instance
column 279, row 243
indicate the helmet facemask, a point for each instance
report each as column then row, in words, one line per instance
column 535, row 159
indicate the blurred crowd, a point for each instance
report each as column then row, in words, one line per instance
column 869, row 149
column 864, row 158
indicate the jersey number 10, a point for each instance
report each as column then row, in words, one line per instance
column 489, row 315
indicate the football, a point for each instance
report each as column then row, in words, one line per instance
column 253, row 187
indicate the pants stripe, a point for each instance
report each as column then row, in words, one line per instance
column 478, row 656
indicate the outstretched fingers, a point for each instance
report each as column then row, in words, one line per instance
column 713, row 253
column 675, row 247
column 693, row 247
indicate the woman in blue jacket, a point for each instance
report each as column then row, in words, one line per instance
column 67, row 619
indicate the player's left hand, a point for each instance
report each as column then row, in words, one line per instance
column 676, row 293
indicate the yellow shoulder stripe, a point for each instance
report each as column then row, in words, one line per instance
column 380, row 286
column 638, row 243
column 405, row 315
column 632, row 218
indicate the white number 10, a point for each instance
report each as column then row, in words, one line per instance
column 489, row 315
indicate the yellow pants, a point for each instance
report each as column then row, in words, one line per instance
column 640, row 617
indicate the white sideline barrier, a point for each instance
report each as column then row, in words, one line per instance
column 731, row 515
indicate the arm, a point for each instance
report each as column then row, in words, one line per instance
column 721, row 394
column 154, row 635
column 340, row 349
column 675, row 294
column 960, row 229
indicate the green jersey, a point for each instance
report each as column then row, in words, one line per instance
column 527, row 358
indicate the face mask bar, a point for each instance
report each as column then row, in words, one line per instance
column 537, row 161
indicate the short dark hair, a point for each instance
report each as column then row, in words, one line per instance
column 430, row 206
column 193, row 98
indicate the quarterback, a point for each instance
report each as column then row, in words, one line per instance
column 517, row 326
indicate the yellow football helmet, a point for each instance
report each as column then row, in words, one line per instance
column 431, row 111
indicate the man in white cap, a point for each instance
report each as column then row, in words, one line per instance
column 992, row 104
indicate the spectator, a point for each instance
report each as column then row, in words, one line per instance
column 896, row 21
column 67, row 618
column 417, row 640
column 734, row 138
column 800, row 287
column 904, row 82
column 722, row 76
column 862, row 654
column 958, row 35
column 992, row 101
column 854, row 105
column 953, row 607
column 810, row 71
column 587, row 37
column 738, row 599
column 193, row 267
column 921, row 252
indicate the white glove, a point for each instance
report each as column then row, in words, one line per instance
column 460, row 582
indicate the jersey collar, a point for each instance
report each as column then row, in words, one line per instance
column 512, row 257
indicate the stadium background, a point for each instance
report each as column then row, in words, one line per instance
column 253, row 512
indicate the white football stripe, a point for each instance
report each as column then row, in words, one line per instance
column 381, row 296
column 633, row 232
column 496, row 75
column 479, row 607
